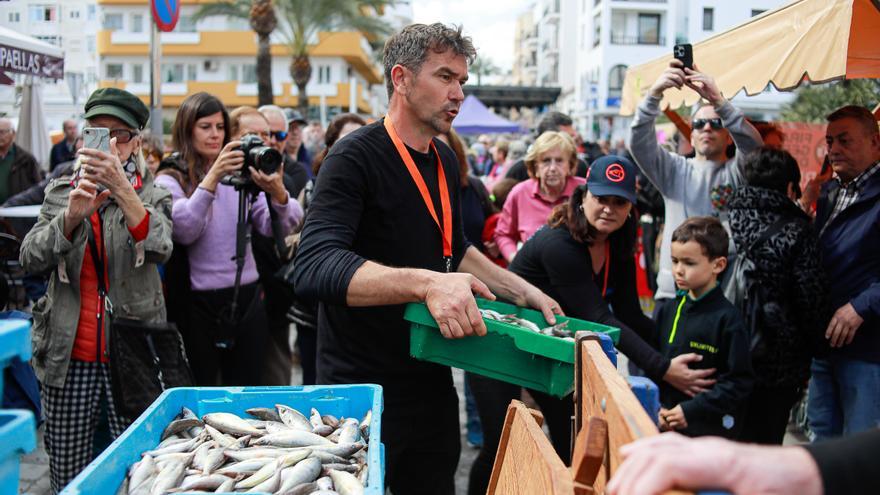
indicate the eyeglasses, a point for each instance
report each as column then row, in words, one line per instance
column 699, row 124
column 122, row 135
column 279, row 135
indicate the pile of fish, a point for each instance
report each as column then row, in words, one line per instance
column 279, row 450
column 558, row 330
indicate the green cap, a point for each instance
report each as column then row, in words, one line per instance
column 120, row 104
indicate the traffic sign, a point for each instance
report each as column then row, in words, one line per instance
column 165, row 13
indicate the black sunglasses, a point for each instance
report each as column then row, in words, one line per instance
column 122, row 135
column 713, row 123
column 279, row 135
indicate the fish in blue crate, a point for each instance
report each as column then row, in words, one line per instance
column 276, row 450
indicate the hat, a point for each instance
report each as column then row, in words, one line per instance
column 120, row 104
column 294, row 116
column 612, row 175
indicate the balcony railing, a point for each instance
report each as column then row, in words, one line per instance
column 622, row 39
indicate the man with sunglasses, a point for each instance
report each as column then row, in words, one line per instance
column 688, row 185
column 295, row 175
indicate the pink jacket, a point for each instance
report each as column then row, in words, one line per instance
column 525, row 211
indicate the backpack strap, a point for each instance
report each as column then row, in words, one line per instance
column 768, row 233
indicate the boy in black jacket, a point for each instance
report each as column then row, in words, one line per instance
column 700, row 320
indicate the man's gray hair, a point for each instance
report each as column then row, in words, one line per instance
column 270, row 109
column 410, row 46
column 862, row 115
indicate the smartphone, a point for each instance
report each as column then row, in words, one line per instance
column 685, row 53
column 97, row 138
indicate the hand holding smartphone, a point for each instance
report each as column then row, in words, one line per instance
column 97, row 138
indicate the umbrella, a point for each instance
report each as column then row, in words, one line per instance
column 816, row 40
column 475, row 118
column 32, row 134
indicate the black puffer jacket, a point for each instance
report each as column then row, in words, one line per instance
column 788, row 264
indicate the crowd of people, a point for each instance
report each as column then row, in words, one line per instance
column 761, row 288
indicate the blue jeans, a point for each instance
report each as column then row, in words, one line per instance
column 844, row 397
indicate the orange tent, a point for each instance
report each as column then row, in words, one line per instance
column 815, row 40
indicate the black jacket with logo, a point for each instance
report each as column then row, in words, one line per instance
column 713, row 328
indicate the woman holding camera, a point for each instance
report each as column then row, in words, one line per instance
column 226, row 332
column 99, row 236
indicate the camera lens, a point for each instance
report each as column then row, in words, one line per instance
column 267, row 160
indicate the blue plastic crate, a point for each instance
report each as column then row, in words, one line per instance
column 15, row 342
column 106, row 473
column 18, row 435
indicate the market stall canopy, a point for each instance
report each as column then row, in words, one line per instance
column 24, row 54
column 815, row 40
column 474, row 118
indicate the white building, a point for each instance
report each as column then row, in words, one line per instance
column 585, row 47
column 70, row 24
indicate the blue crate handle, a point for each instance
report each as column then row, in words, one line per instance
column 648, row 395
column 608, row 346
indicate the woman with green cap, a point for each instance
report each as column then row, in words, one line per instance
column 99, row 236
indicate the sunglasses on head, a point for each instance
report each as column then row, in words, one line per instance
column 713, row 123
column 122, row 135
column 279, row 135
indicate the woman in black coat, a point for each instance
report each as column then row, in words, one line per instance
column 584, row 260
column 787, row 266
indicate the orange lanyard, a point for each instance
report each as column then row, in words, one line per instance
column 446, row 229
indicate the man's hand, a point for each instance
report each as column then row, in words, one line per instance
column 704, row 86
column 673, row 77
column 272, row 184
column 673, row 419
column 536, row 299
column 688, row 381
column 656, row 464
column 450, row 299
column 843, row 325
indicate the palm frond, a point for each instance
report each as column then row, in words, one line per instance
column 231, row 8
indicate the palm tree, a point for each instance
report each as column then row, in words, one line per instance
column 261, row 16
column 302, row 20
column 483, row 66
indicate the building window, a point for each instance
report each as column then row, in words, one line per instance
column 172, row 73
column 597, row 29
column 233, row 73
column 113, row 22
column 137, row 23
column 708, row 19
column 114, row 71
column 14, row 17
column 248, row 73
column 191, row 74
column 92, row 12
column 649, row 29
column 185, row 24
column 615, row 81
column 43, row 13
column 323, row 74
column 138, row 75
column 74, row 14
column 757, row 12
column 91, row 44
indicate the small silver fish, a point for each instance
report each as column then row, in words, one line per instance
column 306, row 471
column 346, row 483
column 231, row 424
column 264, row 413
column 292, row 438
column 179, row 426
column 293, row 418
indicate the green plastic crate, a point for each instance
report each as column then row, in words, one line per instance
column 507, row 352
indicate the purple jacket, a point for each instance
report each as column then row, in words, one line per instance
column 205, row 223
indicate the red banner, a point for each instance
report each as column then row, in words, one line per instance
column 806, row 142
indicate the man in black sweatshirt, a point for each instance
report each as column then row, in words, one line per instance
column 384, row 229
column 701, row 320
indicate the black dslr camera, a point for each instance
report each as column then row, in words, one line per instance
column 257, row 155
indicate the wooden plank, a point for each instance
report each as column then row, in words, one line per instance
column 526, row 462
column 606, row 395
column 589, row 452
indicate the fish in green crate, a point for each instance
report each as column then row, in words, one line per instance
column 558, row 330
column 276, row 450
